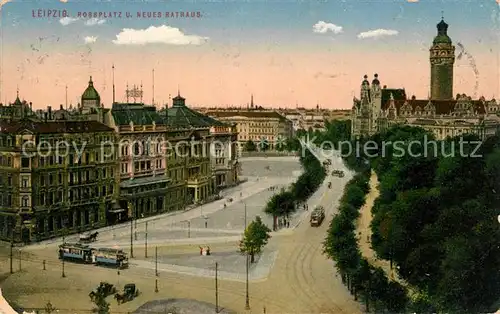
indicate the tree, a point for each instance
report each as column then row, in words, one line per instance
column 263, row 145
column 49, row 308
column 250, row 146
column 101, row 306
column 281, row 204
column 255, row 238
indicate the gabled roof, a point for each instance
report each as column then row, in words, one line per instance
column 443, row 107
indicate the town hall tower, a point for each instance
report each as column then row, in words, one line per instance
column 442, row 58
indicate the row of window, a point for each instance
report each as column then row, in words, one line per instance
column 76, row 194
column 76, row 177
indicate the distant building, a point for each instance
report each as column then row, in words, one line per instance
column 305, row 119
column 378, row 107
column 258, row 126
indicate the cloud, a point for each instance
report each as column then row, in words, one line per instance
column 68, row 20
column 377, row 33
column 157, row 35
column 94, row 21
column 328, row 75
column 90, row 39
column 323, row 27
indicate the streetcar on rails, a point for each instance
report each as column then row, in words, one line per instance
column 80, row 253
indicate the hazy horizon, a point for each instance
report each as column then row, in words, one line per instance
column 285, row 54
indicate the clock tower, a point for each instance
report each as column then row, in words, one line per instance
column 442, row 58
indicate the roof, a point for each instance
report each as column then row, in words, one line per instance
column 138, row 114
column 179, row 115
column 39, row 127
column 90, row 93
column 246, row 113
column 143, row 181
column 397, row 93
column 442, row 107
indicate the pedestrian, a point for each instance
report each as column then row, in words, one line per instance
column 206, row 224
column 208, row 250
column 288, row 223
column 201, row 250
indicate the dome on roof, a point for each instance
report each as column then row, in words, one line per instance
column 375, row 80
column 90, row 93
column 365, row 81
column 442, row 35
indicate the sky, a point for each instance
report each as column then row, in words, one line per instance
column 218, row 53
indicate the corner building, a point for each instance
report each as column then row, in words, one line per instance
column 45, row 193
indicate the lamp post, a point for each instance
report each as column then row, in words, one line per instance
column 63, row 274
column 247, row 297
column 146, row 241
column 131, row 232
column 188, row 226
column 20, row 259
column 216, row 288
column 156, row 261
column 11, row 248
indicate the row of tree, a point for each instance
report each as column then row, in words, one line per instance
column 436, row 217
column 361, row 278
column 287, row 201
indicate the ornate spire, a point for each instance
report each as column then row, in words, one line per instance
column 90, row 81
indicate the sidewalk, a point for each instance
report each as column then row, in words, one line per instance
column 364, row 231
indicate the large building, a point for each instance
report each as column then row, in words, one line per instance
column 380, row 107
column 256, row 125
column 53, row 178
column 124, row 162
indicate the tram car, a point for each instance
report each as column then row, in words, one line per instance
column 81, row 253
column 76, row 252
column 111, row 257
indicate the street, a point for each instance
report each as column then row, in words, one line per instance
column 293, row 276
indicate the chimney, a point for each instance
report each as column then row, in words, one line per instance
column 45, row 116
column 61, row 107
column 31, row 106
column 49, row 109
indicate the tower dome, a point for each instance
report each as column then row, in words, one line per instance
column 90, row 92
column 375, row 80
column 442, row 34
column 365, row 81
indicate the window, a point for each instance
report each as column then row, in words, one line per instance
column 25, row 162
column 25, row 201
column 60, row 178
column 24, row 182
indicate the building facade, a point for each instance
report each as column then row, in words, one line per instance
column 55, row 178
column 258, row 126
column 378, row 108
column 141, row 134
column 211, row 161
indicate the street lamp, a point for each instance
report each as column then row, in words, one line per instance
column 247, row 297
column 131, row 231
column 189, row 227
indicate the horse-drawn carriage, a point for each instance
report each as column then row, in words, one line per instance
column 105, row 289
column 129, row 293
column 89, row 237
column 338, row 173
